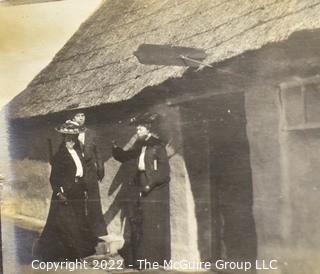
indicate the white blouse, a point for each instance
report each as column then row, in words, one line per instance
column 81, row 138
column 77, row 161
column 141, row 163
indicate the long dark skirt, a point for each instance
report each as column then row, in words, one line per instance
column 95, row 216
column 66, row 234
column 149, row 228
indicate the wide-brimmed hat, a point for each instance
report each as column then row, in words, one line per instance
column 147, row 118
column 70, row 127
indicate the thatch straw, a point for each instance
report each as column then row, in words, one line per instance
column 97, row 65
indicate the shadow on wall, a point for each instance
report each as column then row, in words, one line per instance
column 125, row 198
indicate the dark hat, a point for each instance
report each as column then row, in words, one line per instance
column 70, row 127
column 74, row 113
column 147, row 118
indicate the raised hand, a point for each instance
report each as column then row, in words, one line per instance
column 114, row 143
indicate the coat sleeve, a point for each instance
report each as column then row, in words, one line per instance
column 125, row 155
column 161, row 174
column 99, row 162
column 96, row 153
column 56, row 174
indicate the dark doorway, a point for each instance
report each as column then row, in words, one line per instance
column 218, row 162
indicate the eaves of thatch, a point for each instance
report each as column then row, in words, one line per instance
column 97, row 65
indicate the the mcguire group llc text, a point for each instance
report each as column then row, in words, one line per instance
column 219, row 264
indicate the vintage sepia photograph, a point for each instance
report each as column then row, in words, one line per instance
column 160, row 136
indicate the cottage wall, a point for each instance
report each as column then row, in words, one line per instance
column 269, row 185
column 284, row 169
column 284, row 173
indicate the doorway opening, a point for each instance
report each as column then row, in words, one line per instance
column 217, row 156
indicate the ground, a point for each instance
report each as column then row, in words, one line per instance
column 29, row 270
column 17, row 246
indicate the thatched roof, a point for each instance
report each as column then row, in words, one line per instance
column 97, row 65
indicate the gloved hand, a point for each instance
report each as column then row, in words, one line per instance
column 145, row 189
column 62, row 198
column 100, row 174
column 114, row 143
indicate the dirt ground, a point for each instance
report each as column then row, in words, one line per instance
column 17, row 259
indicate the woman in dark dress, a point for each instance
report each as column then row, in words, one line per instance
column 150, row 223
column 66, row 234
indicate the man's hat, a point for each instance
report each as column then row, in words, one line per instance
column 146, row 118
column 70, row 127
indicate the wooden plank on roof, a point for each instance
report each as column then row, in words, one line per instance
column 168, row 55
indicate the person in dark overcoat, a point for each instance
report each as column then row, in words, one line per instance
column 150, row 225
column 94, row 175
column 66, row 234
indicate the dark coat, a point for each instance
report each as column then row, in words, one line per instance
column 157, row 167
column 66, row 234
column 94, row 172
column 63, row 170
column 92, row 154
column 150, row 227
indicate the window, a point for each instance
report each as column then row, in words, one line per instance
column 300, row 103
